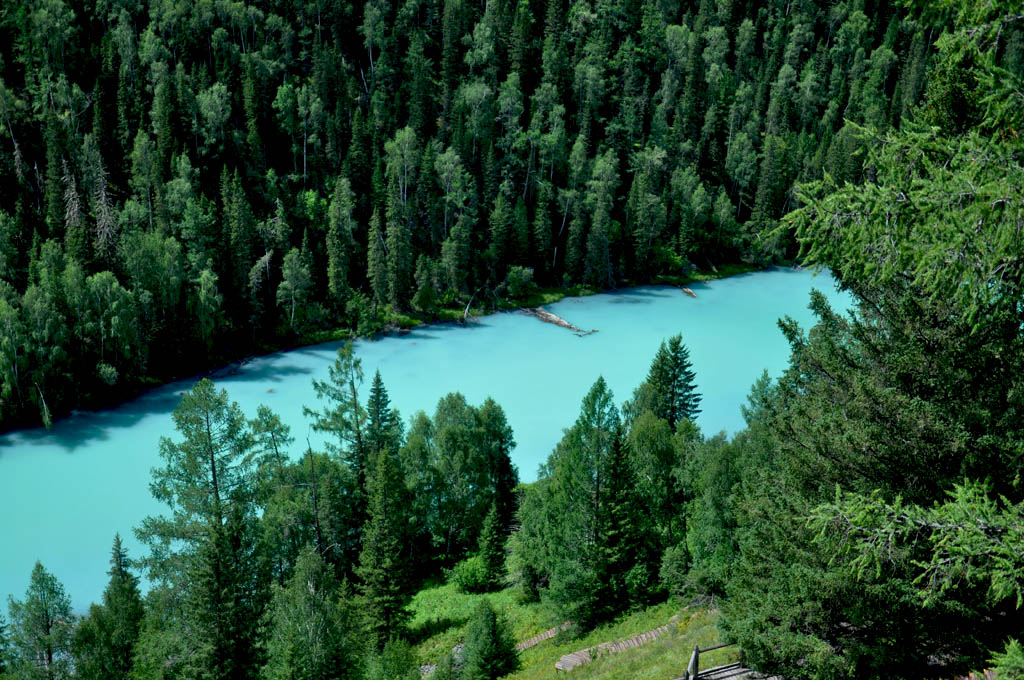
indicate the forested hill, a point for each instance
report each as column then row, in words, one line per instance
column 186, row 181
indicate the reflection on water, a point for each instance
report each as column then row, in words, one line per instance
column 64, row 493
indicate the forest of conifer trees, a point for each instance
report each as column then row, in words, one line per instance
column 233, row 176
column 190, row 182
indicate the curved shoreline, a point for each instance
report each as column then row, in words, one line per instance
column 231, row 366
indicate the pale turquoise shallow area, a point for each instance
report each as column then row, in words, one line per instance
column 64, row 493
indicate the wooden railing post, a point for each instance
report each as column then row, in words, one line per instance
column 693, row 669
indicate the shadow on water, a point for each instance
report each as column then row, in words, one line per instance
column 265, row 371
column 645, row 295
column 84, row 428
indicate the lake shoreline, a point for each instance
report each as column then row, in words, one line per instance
column 229, row 363
column 94, row 469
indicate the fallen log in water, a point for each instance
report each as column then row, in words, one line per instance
column 547, row 317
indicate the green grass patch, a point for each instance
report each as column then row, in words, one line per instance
column 440, row 615
column 539, row 661
column 666, row 657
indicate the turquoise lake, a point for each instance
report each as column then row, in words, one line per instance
column 64, row 493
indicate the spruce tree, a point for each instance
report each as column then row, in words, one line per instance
column 40, row 629
column 384, row 428
column 490, row 651
column 376, row 262
column 307, row 628
column 670, row 392
column 340, row 229
column 627, row 570
column 383, row 569
column 492, row 547
column 104, row 642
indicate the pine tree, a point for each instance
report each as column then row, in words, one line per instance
column 399, row 259
column 424, row 300
column 40, row 629
column 206, row 548
column 492, row 547
column 307, row 628
column 542, row 235
column 504, row 476
column 576, row 510
column 673, row 394
column 5, row 646
column 340, row 229
column 345, row 418
column 627, row 569
column 501, row 237
column 384, row 428
column 383, row 569
column 377, row 263
column 104, row 642
column 227, row 593
column 490, row 651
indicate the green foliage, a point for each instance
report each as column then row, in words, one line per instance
column 957, row 193
column 490, row 651
column 1010, row 662
column 40, row 630
column 394, row 662
column 650, row 139
column 880, row 441
column 972, row 539
column 103, row 644
column 458, row 465
column 310, row 631
column 669, row 391
column 295, row 283
column 384, row 568
column 206, row 549
column 344, row 416
column 471, row 575
column 519, row 283
column 492, row 547
column 585, row 531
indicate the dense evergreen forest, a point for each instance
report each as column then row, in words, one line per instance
column 234, row 174
column 186, row 183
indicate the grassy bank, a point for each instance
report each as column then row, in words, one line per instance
column 440, row 615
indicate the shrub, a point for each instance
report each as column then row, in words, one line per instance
column 471, row 575
column 490, row 651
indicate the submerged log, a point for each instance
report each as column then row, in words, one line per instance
column 547, row 317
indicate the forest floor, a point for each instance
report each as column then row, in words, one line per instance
column 441, row 613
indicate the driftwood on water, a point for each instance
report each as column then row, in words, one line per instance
column 547, row 317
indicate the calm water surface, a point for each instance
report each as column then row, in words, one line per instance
column 64, row 493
